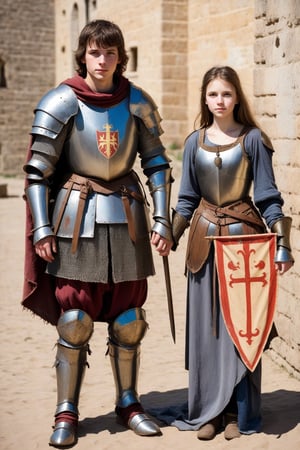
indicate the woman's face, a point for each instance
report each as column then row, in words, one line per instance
column 221, row 98
column 101, row 64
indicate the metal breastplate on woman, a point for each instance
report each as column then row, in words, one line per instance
column 224, row 177
column 223, row 172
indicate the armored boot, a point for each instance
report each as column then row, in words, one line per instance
column 125, row 335
column 75, row 328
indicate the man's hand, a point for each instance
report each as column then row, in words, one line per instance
column 45, row 248
column 162, row 245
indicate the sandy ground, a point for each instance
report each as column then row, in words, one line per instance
column 28, row 384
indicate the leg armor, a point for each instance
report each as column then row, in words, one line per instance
column 75, row 328
column 125, row 335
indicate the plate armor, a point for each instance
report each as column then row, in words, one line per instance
column 101, row 145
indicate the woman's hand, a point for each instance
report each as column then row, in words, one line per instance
column 45, row 248
column 162, row 245
column 282, row 267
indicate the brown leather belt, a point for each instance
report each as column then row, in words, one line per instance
column 87, row 186
column 241, row 210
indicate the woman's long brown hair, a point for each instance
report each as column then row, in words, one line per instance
column 242, row 113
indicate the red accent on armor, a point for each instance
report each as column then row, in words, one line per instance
column 127, row 413
column 107, row 141
column 67, row 417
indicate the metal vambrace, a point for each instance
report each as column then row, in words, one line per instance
column 37, row 195
column 179, row 224
column 125, row 335
column 283, row 230
column 159, row 184
column 75, row 328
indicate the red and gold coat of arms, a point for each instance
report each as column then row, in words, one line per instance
column 107, row 141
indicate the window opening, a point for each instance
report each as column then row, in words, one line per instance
column 133, row 59
column 2, row 74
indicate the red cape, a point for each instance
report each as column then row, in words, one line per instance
column 38, row 288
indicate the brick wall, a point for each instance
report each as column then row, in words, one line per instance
column 27, row 50
column 219, row 36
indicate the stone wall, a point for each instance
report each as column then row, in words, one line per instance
column 219, row 36
column 27, row 60
column 277, row 105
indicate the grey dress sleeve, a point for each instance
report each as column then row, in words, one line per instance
column 189, row 192
column 266, row 195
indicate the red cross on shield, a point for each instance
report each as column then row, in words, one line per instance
column 247, row 288
column 107, row 141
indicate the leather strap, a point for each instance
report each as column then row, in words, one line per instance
column 130, row 221
column 88, row 185
column 62, row 208
column 222, row 215
column 84, row 192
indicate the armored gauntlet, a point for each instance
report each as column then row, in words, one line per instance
column 37, row 196
column 179, row 224
column 160, row 189
column 283, row 229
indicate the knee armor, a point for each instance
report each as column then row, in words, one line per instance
column 129, row 328
column 75, row 328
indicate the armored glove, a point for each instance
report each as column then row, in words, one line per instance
column 179, row 224
column 283, row 229
column 37, row 196
column 160, row 189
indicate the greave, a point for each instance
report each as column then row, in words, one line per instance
column 75, row 328
column 70, row 368
column 125, row 335
column 125, row 364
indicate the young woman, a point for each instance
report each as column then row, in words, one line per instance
column 223, row 159
column 89, row 258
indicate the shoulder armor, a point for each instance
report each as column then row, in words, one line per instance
column 143, row 106
column 54, row 110
column 266, row 141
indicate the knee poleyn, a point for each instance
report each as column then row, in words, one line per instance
column 129, row 328
column 75, row 328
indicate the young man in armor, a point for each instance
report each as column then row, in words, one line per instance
column 88, row 251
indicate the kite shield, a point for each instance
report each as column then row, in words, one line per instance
column 247, row 288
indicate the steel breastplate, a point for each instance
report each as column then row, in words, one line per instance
column 223, row 172
column 103, row 145
column 103, row 141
